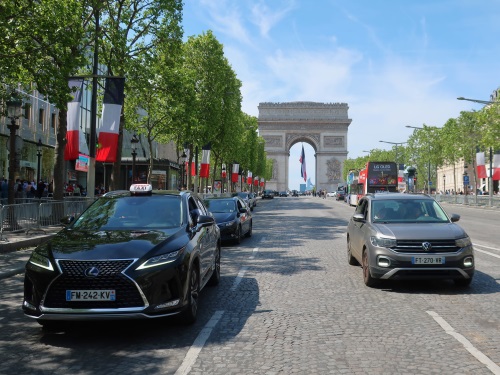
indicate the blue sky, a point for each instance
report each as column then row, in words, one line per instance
column 394, row 62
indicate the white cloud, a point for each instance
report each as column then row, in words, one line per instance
column 265, row 17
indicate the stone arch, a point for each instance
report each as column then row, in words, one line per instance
column 322, row 125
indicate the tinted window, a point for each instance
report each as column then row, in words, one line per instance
column 131, row 212
column 220, row 205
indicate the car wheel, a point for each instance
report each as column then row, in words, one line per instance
column 215, row 278
column 191, row 311
column 350, row 259
column 463, row 283
column 249, row 233
column 367, row 277
column 238, row 235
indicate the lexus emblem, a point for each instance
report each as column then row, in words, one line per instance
column 427, row 246
column 91, row 272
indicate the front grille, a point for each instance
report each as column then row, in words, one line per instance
column 415, row 246
column 110, row 277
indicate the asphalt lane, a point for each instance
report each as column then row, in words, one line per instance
column 288, row 303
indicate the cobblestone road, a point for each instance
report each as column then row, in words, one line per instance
column 288, row 303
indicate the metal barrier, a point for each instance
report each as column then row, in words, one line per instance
column 469, row 200
column 39, row 213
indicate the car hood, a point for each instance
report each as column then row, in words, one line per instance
column 222, row 217
column 421, row 231
column 106, row 244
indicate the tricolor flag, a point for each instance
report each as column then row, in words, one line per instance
column 262, row 181
column 72, row 149
column 256, row 181
column 249, row 178
column 234, row 175
column 224, row 172
column 480, row 165
column 302, row 160
column 496, row 167
column 205, row 161
column 111, row 111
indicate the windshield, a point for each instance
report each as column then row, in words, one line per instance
column 126, row 213
column 407, row 210
column 220, row 205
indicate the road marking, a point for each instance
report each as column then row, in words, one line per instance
column 487, row 247
column 238, row 279
column 492, row 366
column 198, row 344
column 487, row 252
column 254, row 252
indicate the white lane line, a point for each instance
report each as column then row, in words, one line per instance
column 492, row 366
column 486, row 247
column 487, row 252
column 238, row 279
column 254, row 252
column 198, row 344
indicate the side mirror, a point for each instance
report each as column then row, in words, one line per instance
column 359, row 218
column 205, row 221
column 243, row 210
column 454, row 217
column 195, row 215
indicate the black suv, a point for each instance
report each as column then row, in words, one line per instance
column 268, row 194
column 408, row 236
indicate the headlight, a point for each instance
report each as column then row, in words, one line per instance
column 41, row 261
column 463, row 242
column 161, row 259
column 383, row 242
column 228, row 224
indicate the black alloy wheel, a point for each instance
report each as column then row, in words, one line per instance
column 238, row 235
column 215, row 278
column 191, row 311
column 249, row 233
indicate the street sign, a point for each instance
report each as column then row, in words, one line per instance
column 430, row 183
column 466, row 180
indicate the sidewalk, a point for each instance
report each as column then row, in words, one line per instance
column 16, row 248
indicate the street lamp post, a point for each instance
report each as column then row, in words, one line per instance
column 465, row 186
column 490, row 179
column 444, row 184
column 14, row 107
column 428, row 162
column 395, row 143
column 134, row 141
column 39, row 158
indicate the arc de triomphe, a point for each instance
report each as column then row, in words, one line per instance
column 323, row 125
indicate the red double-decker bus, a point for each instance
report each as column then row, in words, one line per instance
column 376, row 177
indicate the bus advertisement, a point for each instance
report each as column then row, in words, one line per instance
column 376, row 177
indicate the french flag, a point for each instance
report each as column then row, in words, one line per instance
column 481, row 165
column 249, row 178
column 223, row 172
column 234, row 175
column 256, row 181
column 496, row 167
column 302, row 160
column 205, row 161
column 72, row 148
column 111, row 111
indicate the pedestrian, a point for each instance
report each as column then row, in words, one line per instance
column 40, row 187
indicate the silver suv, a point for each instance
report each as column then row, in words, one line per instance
column 408, row 236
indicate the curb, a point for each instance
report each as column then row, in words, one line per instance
column 28, row 242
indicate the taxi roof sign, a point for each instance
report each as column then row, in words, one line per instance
column 141, row 188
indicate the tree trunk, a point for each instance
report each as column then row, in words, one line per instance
column 59, row 163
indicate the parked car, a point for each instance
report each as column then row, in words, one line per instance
column 295, row 193
column 249, row 198
column 405, row 236
column 232, row 216
column 283, row 194
column 331, row 194
column 268, row 194
column 141, row 253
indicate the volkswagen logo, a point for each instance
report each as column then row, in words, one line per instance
column 91, row 272
column 427, row 246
